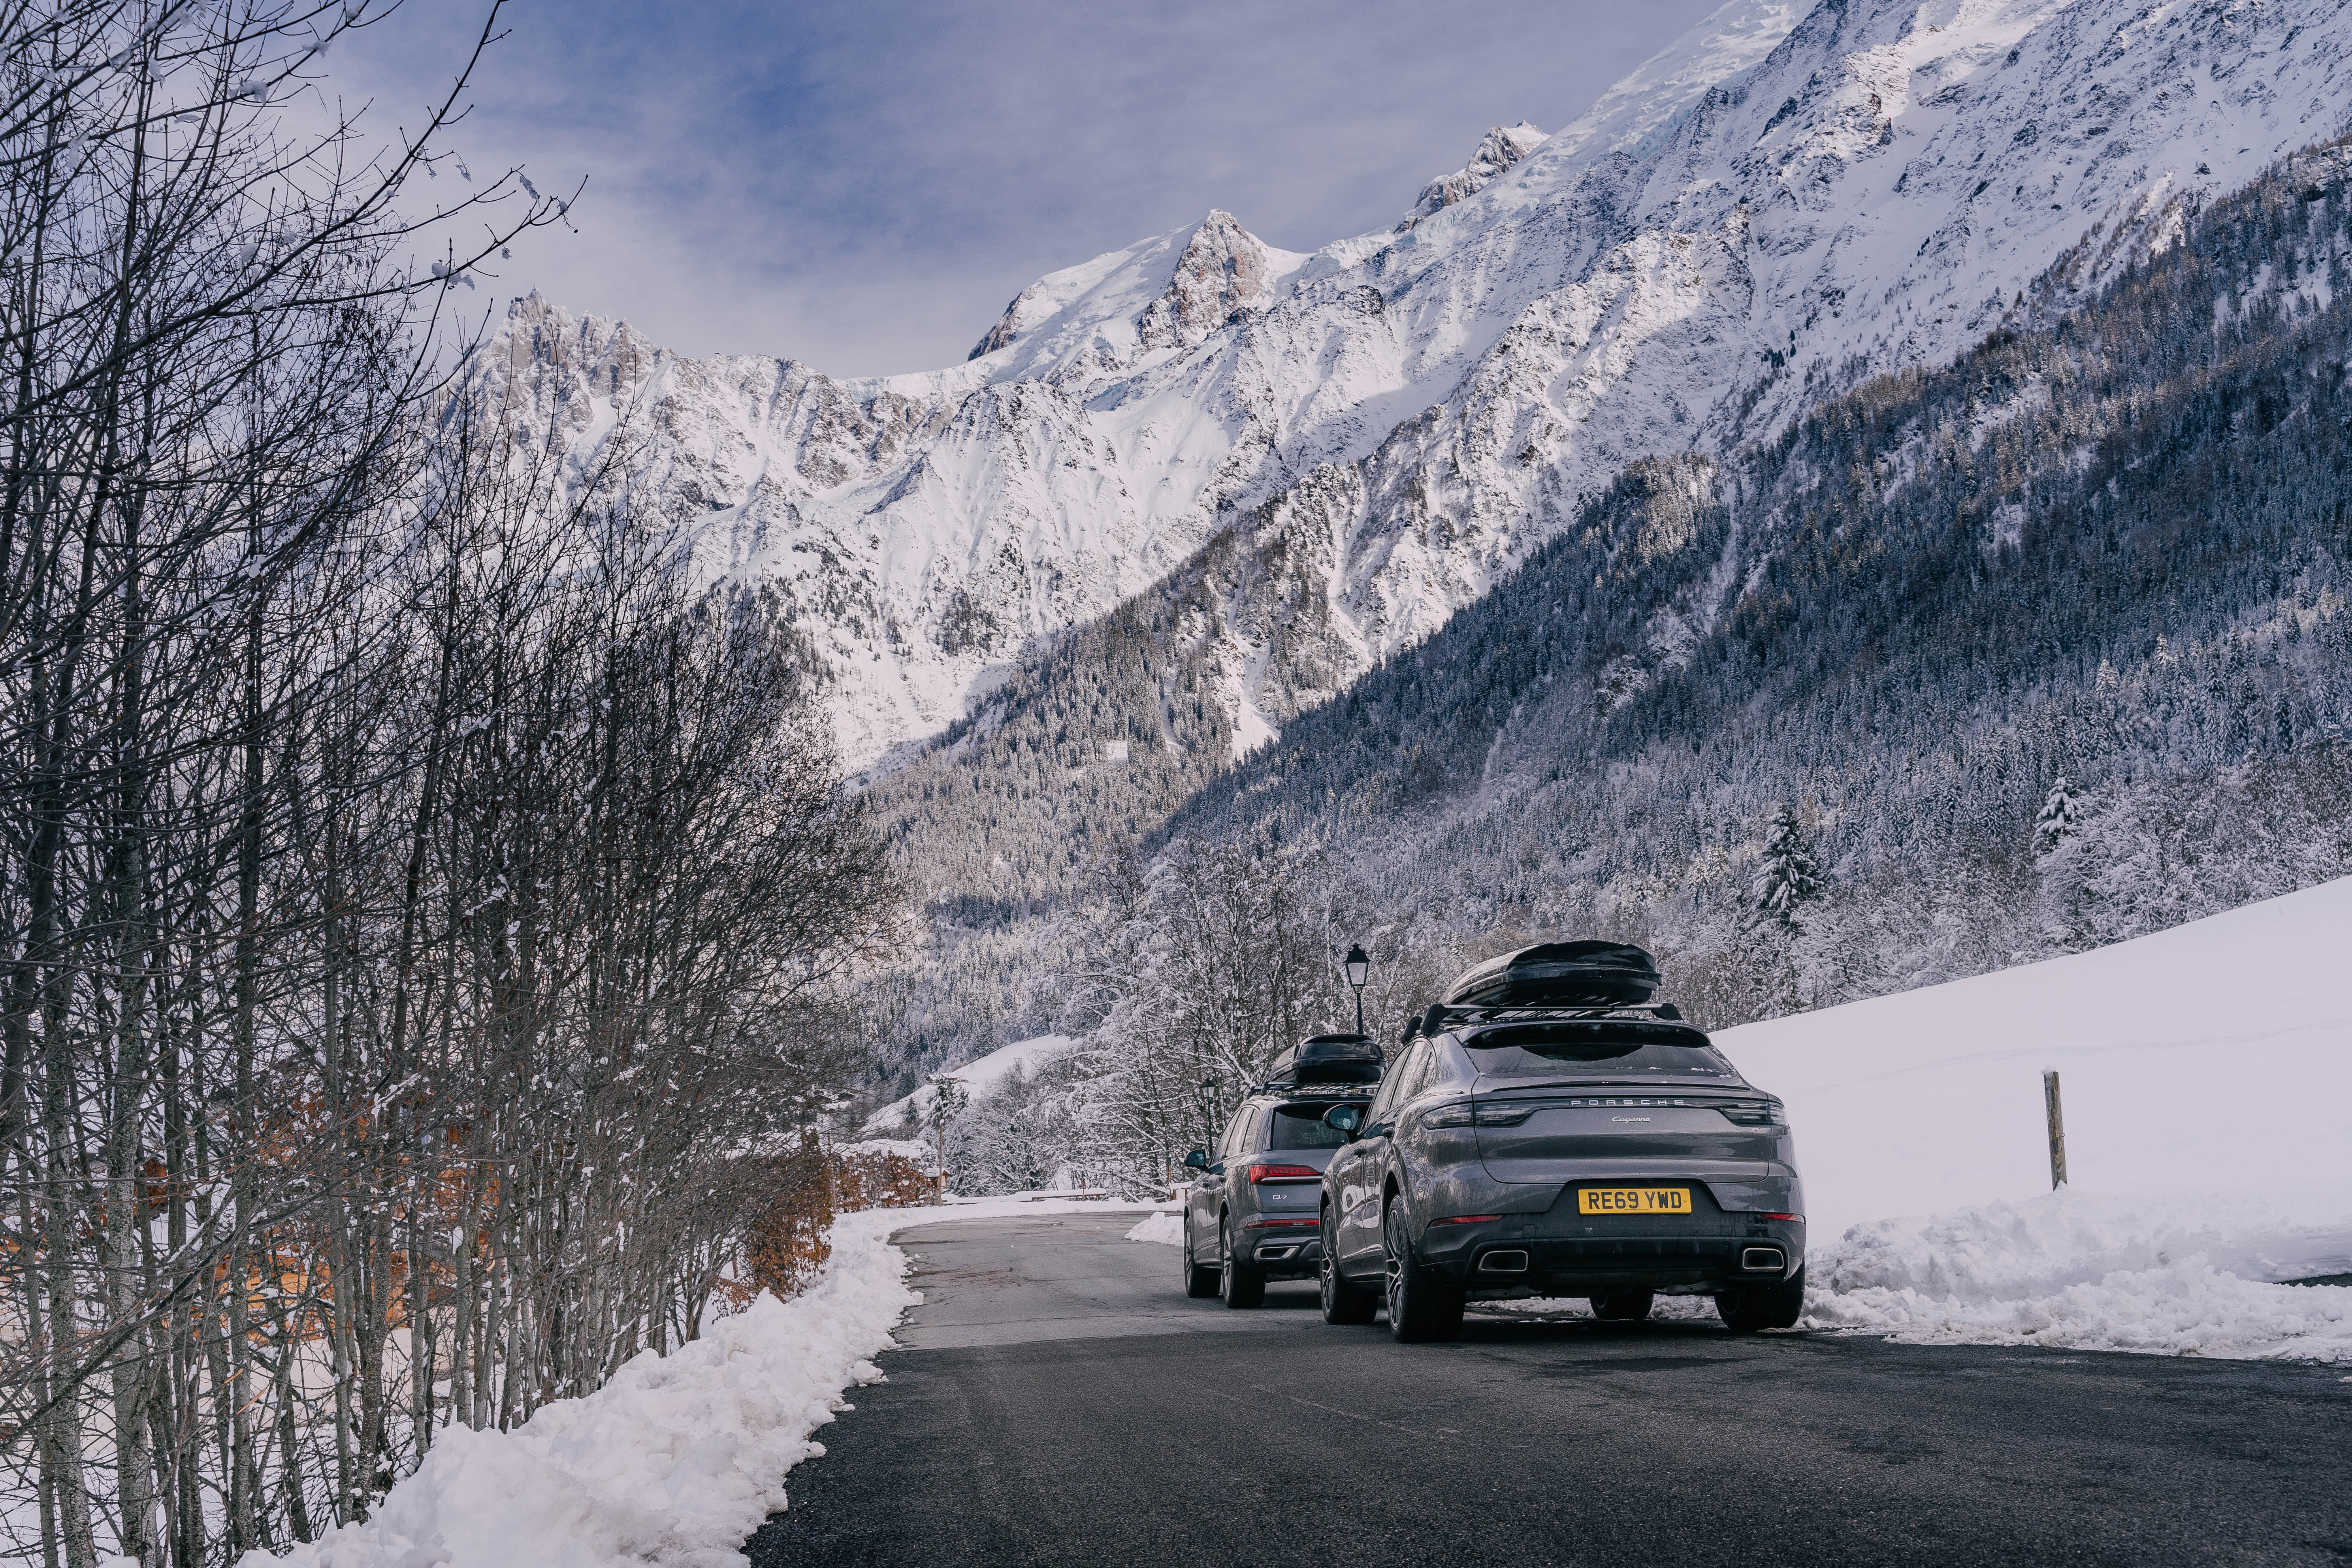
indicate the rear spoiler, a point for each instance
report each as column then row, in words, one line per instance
column 1440, row 1017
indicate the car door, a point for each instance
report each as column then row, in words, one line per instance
column 1201, row 1203
column 1412, row 1085
column 1210, row 1189
column 1358, row 1184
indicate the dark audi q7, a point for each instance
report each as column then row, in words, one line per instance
column 1249, row 1212
column 1548, row 1128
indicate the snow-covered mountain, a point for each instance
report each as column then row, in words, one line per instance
column 1780, row 205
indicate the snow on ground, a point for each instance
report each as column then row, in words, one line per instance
column 2215, row 1057
column 1165, row 1224
column 978, row 1078
column 2173, row 1275
column 679, row 1458
column 2204, row 1072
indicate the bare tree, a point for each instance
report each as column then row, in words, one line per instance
column 422, row 906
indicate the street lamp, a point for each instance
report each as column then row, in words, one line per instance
column 1360, row 969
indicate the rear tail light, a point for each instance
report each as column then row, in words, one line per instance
column 1285, row 1173
column 1472, row 1113
column 1755, row 1113
column 1467, row 1220
column 1797, row 1217
column 1264, row 1220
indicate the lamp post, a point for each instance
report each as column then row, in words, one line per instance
column 1360, row 969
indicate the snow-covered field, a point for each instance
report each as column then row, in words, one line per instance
column 679, row 1458
column 2214, row 1057
column 978, row 1077
column 2206, row 1073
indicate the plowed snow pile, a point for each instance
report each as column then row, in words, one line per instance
column 2206, row 1072
column 2178, row 1276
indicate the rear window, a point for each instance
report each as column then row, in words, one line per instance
column 1601, row 1049
column 1301, row 1127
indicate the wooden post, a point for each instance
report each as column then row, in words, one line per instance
column 2057, row 1130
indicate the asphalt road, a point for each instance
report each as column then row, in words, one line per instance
column 1060, row 1401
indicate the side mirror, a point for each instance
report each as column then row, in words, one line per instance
column 1346, row 1118
column 1198, row 1160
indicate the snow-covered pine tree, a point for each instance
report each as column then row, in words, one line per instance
column 2057, row 821
column 1791, row 876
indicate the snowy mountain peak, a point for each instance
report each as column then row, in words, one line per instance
column 1006, row 327
column 1224, row 271
column 1780, row 204
column 1172, row 291
column 1497, row 151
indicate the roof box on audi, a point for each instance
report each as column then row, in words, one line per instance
column 1560, row 974
column 1329, row 1059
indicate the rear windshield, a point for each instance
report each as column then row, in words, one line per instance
column 1301, row 1127
column 1606, row 1049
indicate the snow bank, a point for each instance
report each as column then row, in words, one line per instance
column 2171, row 1276
column 679, row 1458
column 1164, row 1225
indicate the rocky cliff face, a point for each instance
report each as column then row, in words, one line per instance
column 1777, row 206
column 1498, row 150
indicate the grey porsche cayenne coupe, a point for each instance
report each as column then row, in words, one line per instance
column 1593, row 1148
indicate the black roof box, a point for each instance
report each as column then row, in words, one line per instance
column 1560, row 974
column 1330, row 1059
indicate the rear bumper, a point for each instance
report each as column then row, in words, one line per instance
column 1285, row 1252
column 1559, row 1254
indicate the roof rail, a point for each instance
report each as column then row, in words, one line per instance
column 1440, row 1016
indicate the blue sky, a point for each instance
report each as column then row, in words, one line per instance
column 862, row 186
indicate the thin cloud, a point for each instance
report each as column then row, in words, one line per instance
column 863, row 187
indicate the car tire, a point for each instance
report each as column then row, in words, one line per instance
column 1747, row 1308
column 1237, row 1283
column 1198, row 1283
column 1623, row 1305
column 1344, row 1303
column 1424, row 1309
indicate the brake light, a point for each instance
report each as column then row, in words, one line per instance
column 1475, row 1114
column 1753, row 1113
column 1467, row 1220
column 1285, row 1173
column 1797, row 1217
column 1263, row 1219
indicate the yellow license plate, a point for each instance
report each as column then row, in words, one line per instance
column 1633, row 1200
